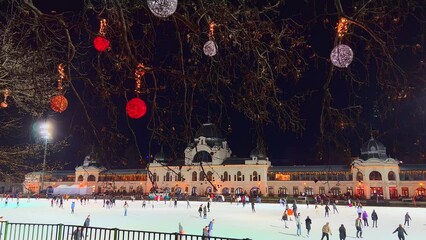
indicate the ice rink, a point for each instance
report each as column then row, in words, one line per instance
column 231, row 220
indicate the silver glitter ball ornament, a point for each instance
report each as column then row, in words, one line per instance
column 341, row 56
column 210, row 48
column 162, row 8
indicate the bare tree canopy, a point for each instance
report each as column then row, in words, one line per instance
column 272, row 68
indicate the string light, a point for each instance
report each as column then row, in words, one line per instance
column 62, row 77
column 6, row 93
column 139, row 73
column 59, row 103
column 342, row 27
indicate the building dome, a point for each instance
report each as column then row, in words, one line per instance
column 212, row 134
column 161, row 156
column 373, row 149
column 258, row 153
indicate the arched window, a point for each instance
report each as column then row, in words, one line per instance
column 194, row 176
column 225, row 176
column 391, row 176
column 375, row 176
column 91, row 178
column 202, row 176
column 254, row 176
column 239, row 178
column 359, row 177
column 210, row 176
column 80, row 178
column 168, row 177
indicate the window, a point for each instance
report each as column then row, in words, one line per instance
column 202, row 176
column 194, row 176
column 91, row 178
column 225, row 176
column 375, row 176
column 271, row 191
column 295, row 191
column 210, row 176
column 335, row 191
column 359, row 177
column 239, row 178
column 321, row 190
column 80, row 178
column 309, row 191
column 255, row 176
column 391, row 176
column 282, row 191
column 405, row 192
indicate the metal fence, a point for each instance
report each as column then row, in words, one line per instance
column 34, row 231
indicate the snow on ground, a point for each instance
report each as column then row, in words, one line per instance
column 230, row 220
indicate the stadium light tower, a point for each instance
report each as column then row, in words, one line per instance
column 45, row 132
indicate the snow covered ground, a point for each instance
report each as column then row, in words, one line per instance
column 230, row 220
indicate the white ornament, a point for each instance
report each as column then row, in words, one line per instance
column 162, row 8
column 210, row 48
column 341, row 56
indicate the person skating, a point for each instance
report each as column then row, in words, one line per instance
column 326, row 231
column 335, row 208
column 204, row 212
column 365, row 218
column 285, row 218
column 200, row 210
column 374, row 217
column 126, row 206
column 298, row 225
column 407, row 220
column 87, row 222
column 358, row 226
column 252, row 206
column 401, row 231
column 342, row 232
column 327, row 211
column 308, row 223
column 206, row 233
column 77, row 234
column 72, row 207
column 211, row 227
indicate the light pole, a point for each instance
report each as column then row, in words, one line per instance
column 45, row 133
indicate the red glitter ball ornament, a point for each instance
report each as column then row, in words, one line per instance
column 136, row 108
column 101, row 43
column 59, row 103
column 3, row 104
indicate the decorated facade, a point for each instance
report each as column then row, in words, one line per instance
column 209, row 167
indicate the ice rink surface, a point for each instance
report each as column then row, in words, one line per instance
column 231, row 220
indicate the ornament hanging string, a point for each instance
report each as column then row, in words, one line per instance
column 139, row 73
column 62, row 77
column 102, row 27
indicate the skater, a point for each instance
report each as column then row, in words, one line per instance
column 365, row 218
column 294, row 207
column 335, row 208
column 72, row 207
column 326, row 231
column 208, row 205
column 298, row 225
column 374, row 217
column 77, row 234
column 252, row 206
column 200, row 209
column 181, row 231
column 175, row 205
column 407, row 219
column 87, row 222
column 205, row 233
column 204, row 212
column 126, row 206
column 308, row 223
column 285, row 218
column 342, row 232
column 187, row 203
column 211, row 227
column 358, row 226
column 144, row 204
column 327, row 211
column 401, row 231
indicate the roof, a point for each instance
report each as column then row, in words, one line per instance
column 209, row 130
column 310, row 168
column 124, row 171
column 57, row 172
column 373, row 149
column 411, row 167
column 234, row 161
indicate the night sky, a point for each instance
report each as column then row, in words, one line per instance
column 402, row 130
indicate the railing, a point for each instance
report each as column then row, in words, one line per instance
column 33, row 231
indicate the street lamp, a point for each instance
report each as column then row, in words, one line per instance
column 45, row 133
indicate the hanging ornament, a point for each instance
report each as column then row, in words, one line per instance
column 59, row 103
column 210, row 47
column 341, row 56
column 162, row 8
column 101, row 43
column 136, row 108
column 6, row 93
